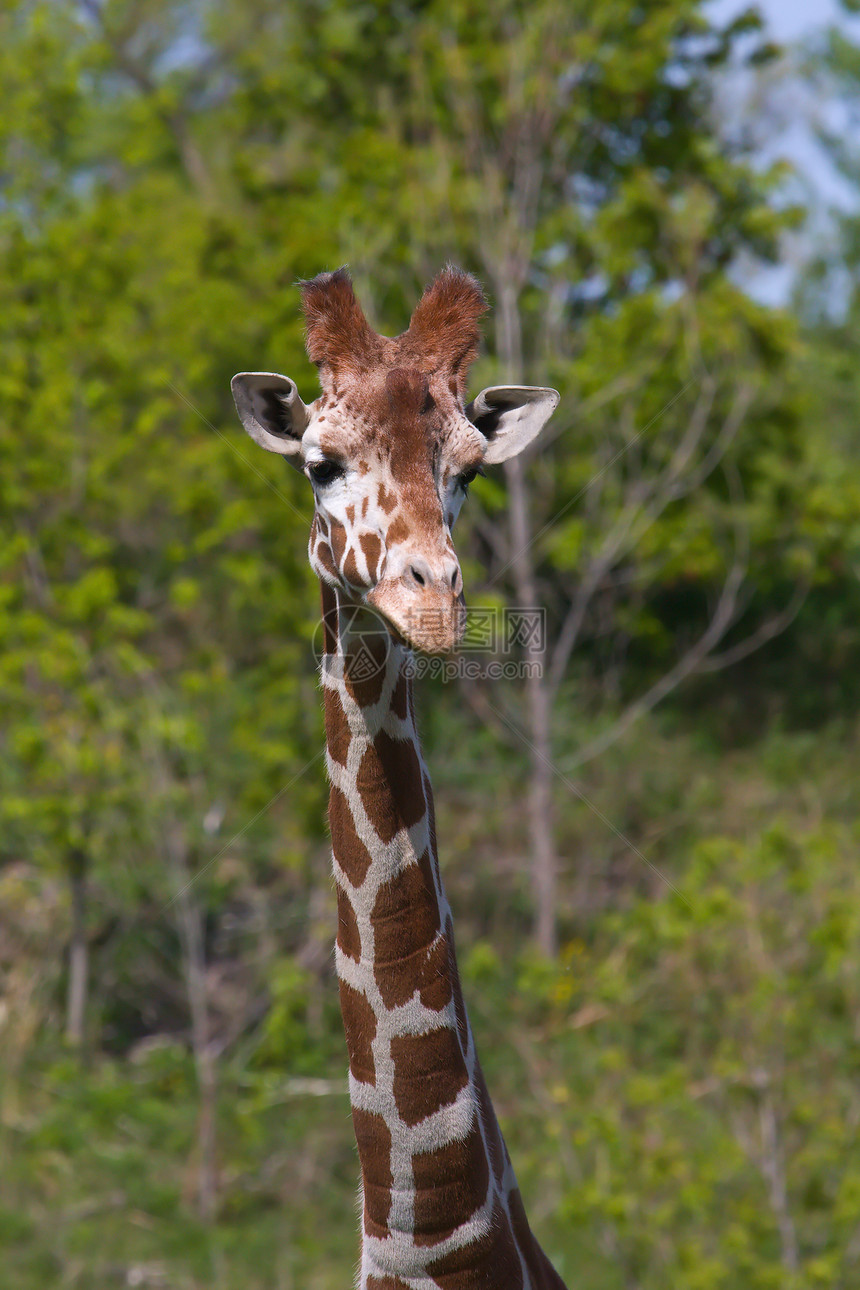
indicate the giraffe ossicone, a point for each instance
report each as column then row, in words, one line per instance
column 390, row 447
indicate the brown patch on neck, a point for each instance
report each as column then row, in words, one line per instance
column 373, row 1137
column 348, row 936
column 364, row 684
column 495, row 1141
column 359, row 1023
column 329, row 617
column 542, row 1273
column 428, row 794
column 337, row 732
column 450, row 1184
column 388, row 781
column 400, row 697
column 409, row 952
column 349, row 850
column 429, row 1072
column 491, row 1260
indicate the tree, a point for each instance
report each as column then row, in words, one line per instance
column 169, row 170
column 579, row 172
column 130, row 520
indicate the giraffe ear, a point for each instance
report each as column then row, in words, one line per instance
column 271, row 411
column 510, row 417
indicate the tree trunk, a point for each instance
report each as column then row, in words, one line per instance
column 541, row 826
column 204, row 1060
column 194, row 967
column 540, row 803
column 541, row 817
column 76, row 999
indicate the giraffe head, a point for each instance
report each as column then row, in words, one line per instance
column 390, row 447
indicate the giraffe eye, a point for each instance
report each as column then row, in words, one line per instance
column 465, row 479
column 323, row 472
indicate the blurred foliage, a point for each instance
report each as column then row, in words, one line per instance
column 679, row 1090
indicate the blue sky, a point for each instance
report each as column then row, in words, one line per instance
column 799, row 22
column 790, row 114
column 787, row 19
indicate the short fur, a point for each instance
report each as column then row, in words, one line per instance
column 445, row 330
column 339, row 337
column 443, row 336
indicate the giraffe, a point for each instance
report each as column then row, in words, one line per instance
column 390, row 448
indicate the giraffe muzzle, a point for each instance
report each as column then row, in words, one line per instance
column 430, row 618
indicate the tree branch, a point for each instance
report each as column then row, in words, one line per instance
column 686, row 665
column 175, row 121
column 766, row 632
column 648, row 501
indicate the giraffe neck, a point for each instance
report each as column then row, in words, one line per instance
column 440, row 1203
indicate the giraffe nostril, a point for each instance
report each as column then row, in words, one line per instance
column 454, row 578
column 418, row 576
